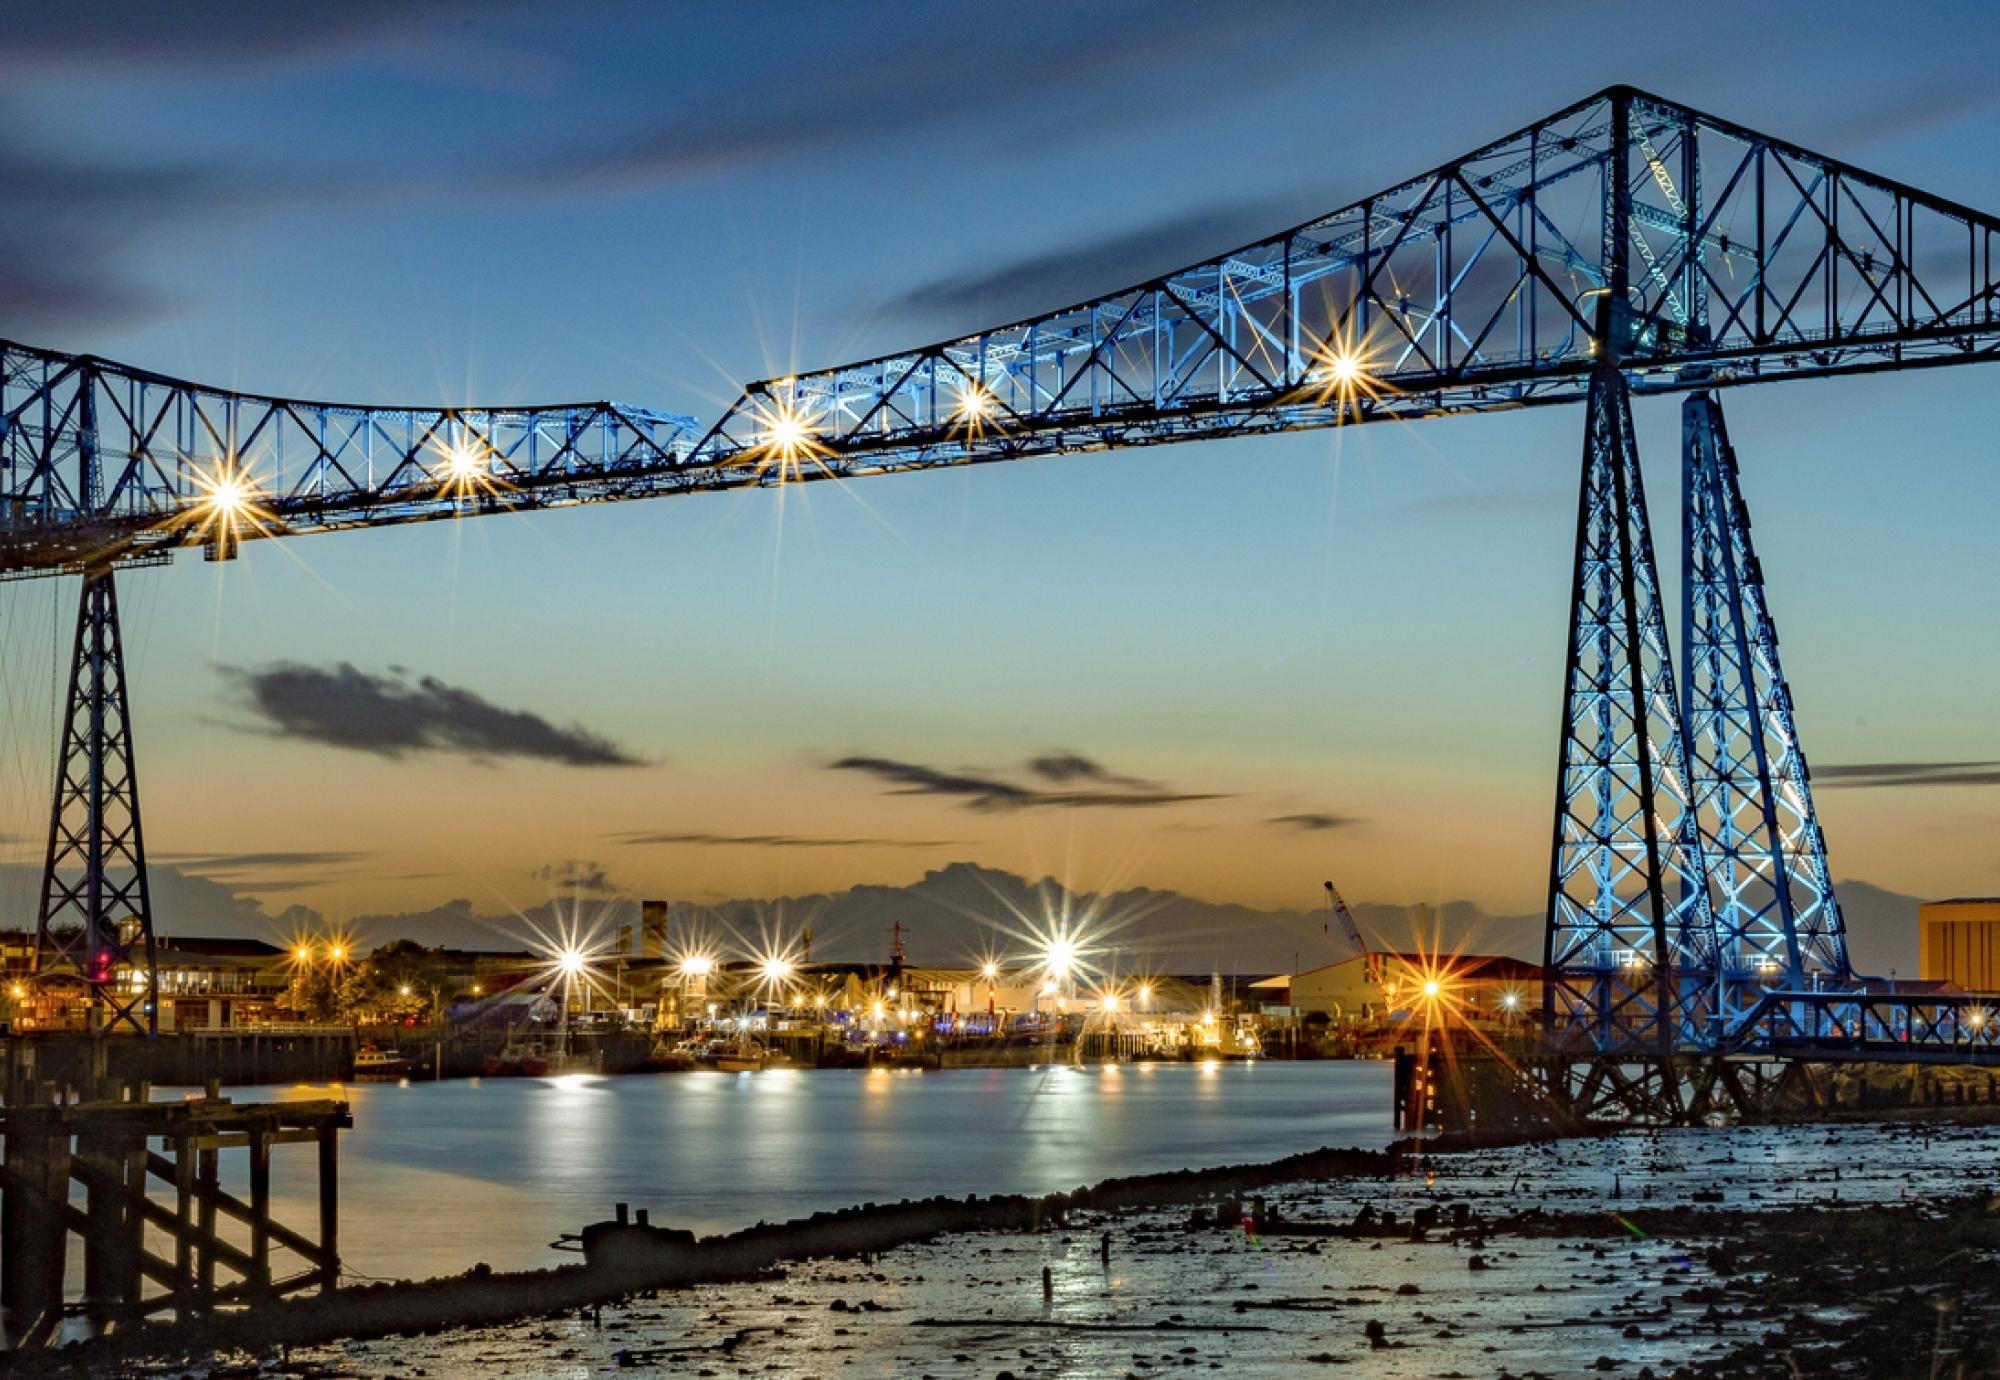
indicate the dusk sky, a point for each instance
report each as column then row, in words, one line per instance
column 1230, row 668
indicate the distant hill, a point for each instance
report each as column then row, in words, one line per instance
column 958, row 913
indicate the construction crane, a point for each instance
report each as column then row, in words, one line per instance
column 1352, row 929
column 1346, row 918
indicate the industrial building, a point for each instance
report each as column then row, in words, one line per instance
column 1958, row 941
column 1370, row 986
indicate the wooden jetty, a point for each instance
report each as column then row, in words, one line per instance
column 189, row 1247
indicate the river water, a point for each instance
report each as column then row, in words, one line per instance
column 437, row 1176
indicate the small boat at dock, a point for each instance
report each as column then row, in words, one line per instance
column 516, row 1059
column 744, row 1056
column 374, row 1062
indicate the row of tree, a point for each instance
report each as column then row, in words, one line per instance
column 397, row 982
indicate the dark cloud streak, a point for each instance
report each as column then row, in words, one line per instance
column 392, row 716
column 589, row 877
column 1047, row 281
column 1857, row 775
column 988, row 793
column 778, row 841
column 139, row 34
column 241, row 862
column 1311, row 822
column 1063, row 767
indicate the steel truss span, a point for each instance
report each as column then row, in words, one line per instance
column 1697, row 253
column 1623, row 245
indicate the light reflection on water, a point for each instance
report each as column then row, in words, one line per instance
column 435, row 1176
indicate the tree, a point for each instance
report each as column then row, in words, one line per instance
column 397, row 982
column 314, row 994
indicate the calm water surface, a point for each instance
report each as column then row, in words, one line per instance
column 436, row 1176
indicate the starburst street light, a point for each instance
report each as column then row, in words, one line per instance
column 1345, row 371
column 775, row 972
column 1059, row 957
column 785, row 438
column 226, row 503
column 465, row 466
column 974, row 409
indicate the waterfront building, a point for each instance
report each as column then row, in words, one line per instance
column 1373, row 986
column 1958, row 942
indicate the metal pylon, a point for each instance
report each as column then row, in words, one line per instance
column 1777, row 922
column 1629, row 934
column 96, row 922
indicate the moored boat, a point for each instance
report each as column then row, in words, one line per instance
column 678, row 1057
column 744, row 1056
column 516, row 1059
column 372, row 1061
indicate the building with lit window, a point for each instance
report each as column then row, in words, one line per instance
column 1369, row 987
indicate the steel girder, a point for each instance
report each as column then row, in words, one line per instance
column 102, row 463
column 1777, row 919
column 1863, row 1025
column 95, row 926
column 1698, row 253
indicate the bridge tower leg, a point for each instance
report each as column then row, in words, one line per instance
column 1629, row 941
column 1777, row 922
column 96, row 918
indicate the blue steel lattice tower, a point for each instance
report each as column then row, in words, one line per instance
column 1777, row 920
column 1629, row 931
column 95, row 924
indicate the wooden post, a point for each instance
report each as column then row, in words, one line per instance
column 184, row 1283
column 37, row 1187
column 329, row 1208
column 260, row 1208
column 132, row 1246
column 105, row 1214
column 209, row 1178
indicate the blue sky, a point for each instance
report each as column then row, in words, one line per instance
column 519, row 203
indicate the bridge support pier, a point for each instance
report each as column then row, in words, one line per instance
column 1691, row 909
column 1628, row 933
column 95, row 926
column 1777, row 921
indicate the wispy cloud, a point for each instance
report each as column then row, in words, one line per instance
column 1063, row 767
column 1860, row 774
column 587, row 877
column 983, row 791
column 1310, row 822
column 244, row 862
column 394, row 716
column 101, row 34
column 922, row 82
column 1042, row 282
column 778, row 841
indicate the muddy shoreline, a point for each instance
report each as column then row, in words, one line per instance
column 482, row 1297
column 1557, row 1256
